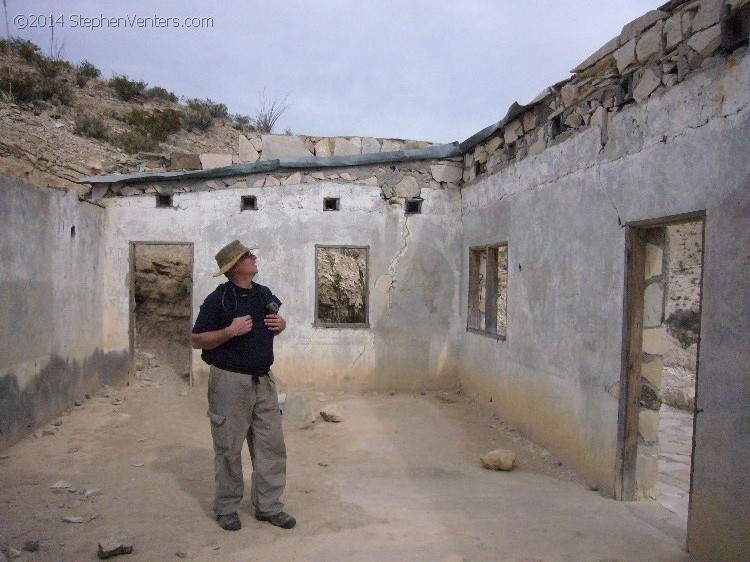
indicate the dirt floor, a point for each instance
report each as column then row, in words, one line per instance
column 398, row 479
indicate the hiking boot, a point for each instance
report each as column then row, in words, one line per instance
column 229, row 522
column 281, row 519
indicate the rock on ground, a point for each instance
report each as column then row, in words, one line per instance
column 331, row 415
column 115, row 544
column 499, row 459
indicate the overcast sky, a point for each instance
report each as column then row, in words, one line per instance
column 438, row 71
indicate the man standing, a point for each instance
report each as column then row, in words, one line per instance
column 235, row 329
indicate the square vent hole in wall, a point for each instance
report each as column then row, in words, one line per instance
column 331, row 203
column 249, row 203
column 163, row 201
column 413, row 206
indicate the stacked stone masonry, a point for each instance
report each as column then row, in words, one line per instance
column 652, row 53
column 259, row 148
column 397, row 181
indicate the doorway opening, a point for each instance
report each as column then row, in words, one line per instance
column 161, row 310
column 664, row 262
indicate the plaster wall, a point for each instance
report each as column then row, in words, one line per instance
column 413, row 278
column 562, row 212
column 50, row 306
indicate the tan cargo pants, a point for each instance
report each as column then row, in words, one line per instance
column 241, row 410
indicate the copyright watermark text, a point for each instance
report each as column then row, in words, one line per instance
column 100, row 21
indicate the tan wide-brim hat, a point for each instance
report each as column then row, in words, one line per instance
column 230, row 255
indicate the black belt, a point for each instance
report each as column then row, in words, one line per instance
column 257, row 374
column 254, row 374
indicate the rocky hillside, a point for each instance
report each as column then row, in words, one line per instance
column 162, row 291
column 61, row 121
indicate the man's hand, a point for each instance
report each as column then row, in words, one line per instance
column 209, row 340
column 239, row 326
column 275, row 323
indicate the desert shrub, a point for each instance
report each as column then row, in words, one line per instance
column 156, row 124
column 47, row 81
column 243, row 123
column 200, row 114
column 685, row 326
column 54, row 82
column 217, row 110
column 157, row 93
column 194, row 119
column 24, row 48
column 31, row 87
column 57, row 90
column 85, row 72
column 197, row 116
column 52, row 69
column 28, row 51
column 88, row 70
column 90, row 126
column 114, row 114
column 125, row 88
column 134, row 141
column 21, row 87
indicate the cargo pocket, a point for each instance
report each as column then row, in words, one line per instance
column 216, row 418
column 218, row 431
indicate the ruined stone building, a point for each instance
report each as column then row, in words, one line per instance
column 525, row 264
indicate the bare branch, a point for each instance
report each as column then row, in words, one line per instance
column 269, row 112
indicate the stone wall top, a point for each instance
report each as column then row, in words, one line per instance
column 652, row 53
column 397, row 181
column 257, row 147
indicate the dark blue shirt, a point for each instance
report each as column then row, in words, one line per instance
column 250, row 353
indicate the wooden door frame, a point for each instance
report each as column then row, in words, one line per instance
column 630, row 375
column 632, row 338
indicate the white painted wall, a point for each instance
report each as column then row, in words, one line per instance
column 557, row 375
column 50, row 306
column 413, row 283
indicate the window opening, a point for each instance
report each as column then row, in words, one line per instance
column 488, row 289
column 341, row 281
